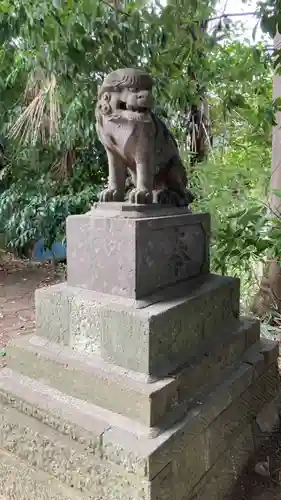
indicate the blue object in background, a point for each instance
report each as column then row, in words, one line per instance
column 58, row 251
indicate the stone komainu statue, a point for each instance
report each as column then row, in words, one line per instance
column 138, row 142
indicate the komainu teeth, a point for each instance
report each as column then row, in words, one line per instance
column 137, row 110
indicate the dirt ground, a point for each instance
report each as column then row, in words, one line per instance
column 18, row 281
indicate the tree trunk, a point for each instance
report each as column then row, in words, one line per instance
column 268, row 298
column 276, row 141
column 200, row 138
column 199, row 126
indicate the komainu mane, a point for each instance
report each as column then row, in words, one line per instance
column 138, row 142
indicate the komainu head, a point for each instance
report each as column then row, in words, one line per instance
column 126, row 94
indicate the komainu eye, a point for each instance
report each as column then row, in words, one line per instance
column 106, row 97
column 106, row 109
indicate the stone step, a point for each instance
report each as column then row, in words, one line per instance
column 71, row 463
column 19, row 481
column 107, row 457
column 157, row 404
column 153, row 336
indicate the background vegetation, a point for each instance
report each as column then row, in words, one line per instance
column 214, row 91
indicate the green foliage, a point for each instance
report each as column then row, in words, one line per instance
column 234, row 184
column 233, row 187
column 270, row 14
column 53, row 57
column 230, row 186
column 38, row 207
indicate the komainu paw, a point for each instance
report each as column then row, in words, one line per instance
column 111, row 195
column 140, row 197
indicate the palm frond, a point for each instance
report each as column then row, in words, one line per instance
column 41, row 116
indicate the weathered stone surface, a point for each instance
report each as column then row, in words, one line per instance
column 268, row 418
column 220, row 480
column 190, row 464
column 153, row 339
column 269, row 354
column 213, row 361
column 265, row 389
column 69, row 416
column 52, row 312
column 75, row 466
column 230, row 408
column 121, row 255
column 88, row 377
column 92, row 379
column 47, row 449
column 238, row 415
column 177, row 328
column 127, row 463
column 139, row 211
column 20, row 481
column 182, row 449
column 69, row 316
column 254, row 357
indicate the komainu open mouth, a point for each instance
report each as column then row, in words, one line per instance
column 135, row 109
column 140, row 109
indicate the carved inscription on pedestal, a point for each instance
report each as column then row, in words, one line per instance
column 172, row 254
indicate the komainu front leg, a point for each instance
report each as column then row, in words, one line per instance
column 115, row 190
column 142, row 194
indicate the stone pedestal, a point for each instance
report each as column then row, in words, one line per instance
column 142, row 381
column 135, row 254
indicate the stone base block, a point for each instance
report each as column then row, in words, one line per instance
column 132, row 251
column 152, row 337
column 99, row 455
column 157, row 404
column 219, row 481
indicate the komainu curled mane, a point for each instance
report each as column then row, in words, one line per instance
column 138, row 142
